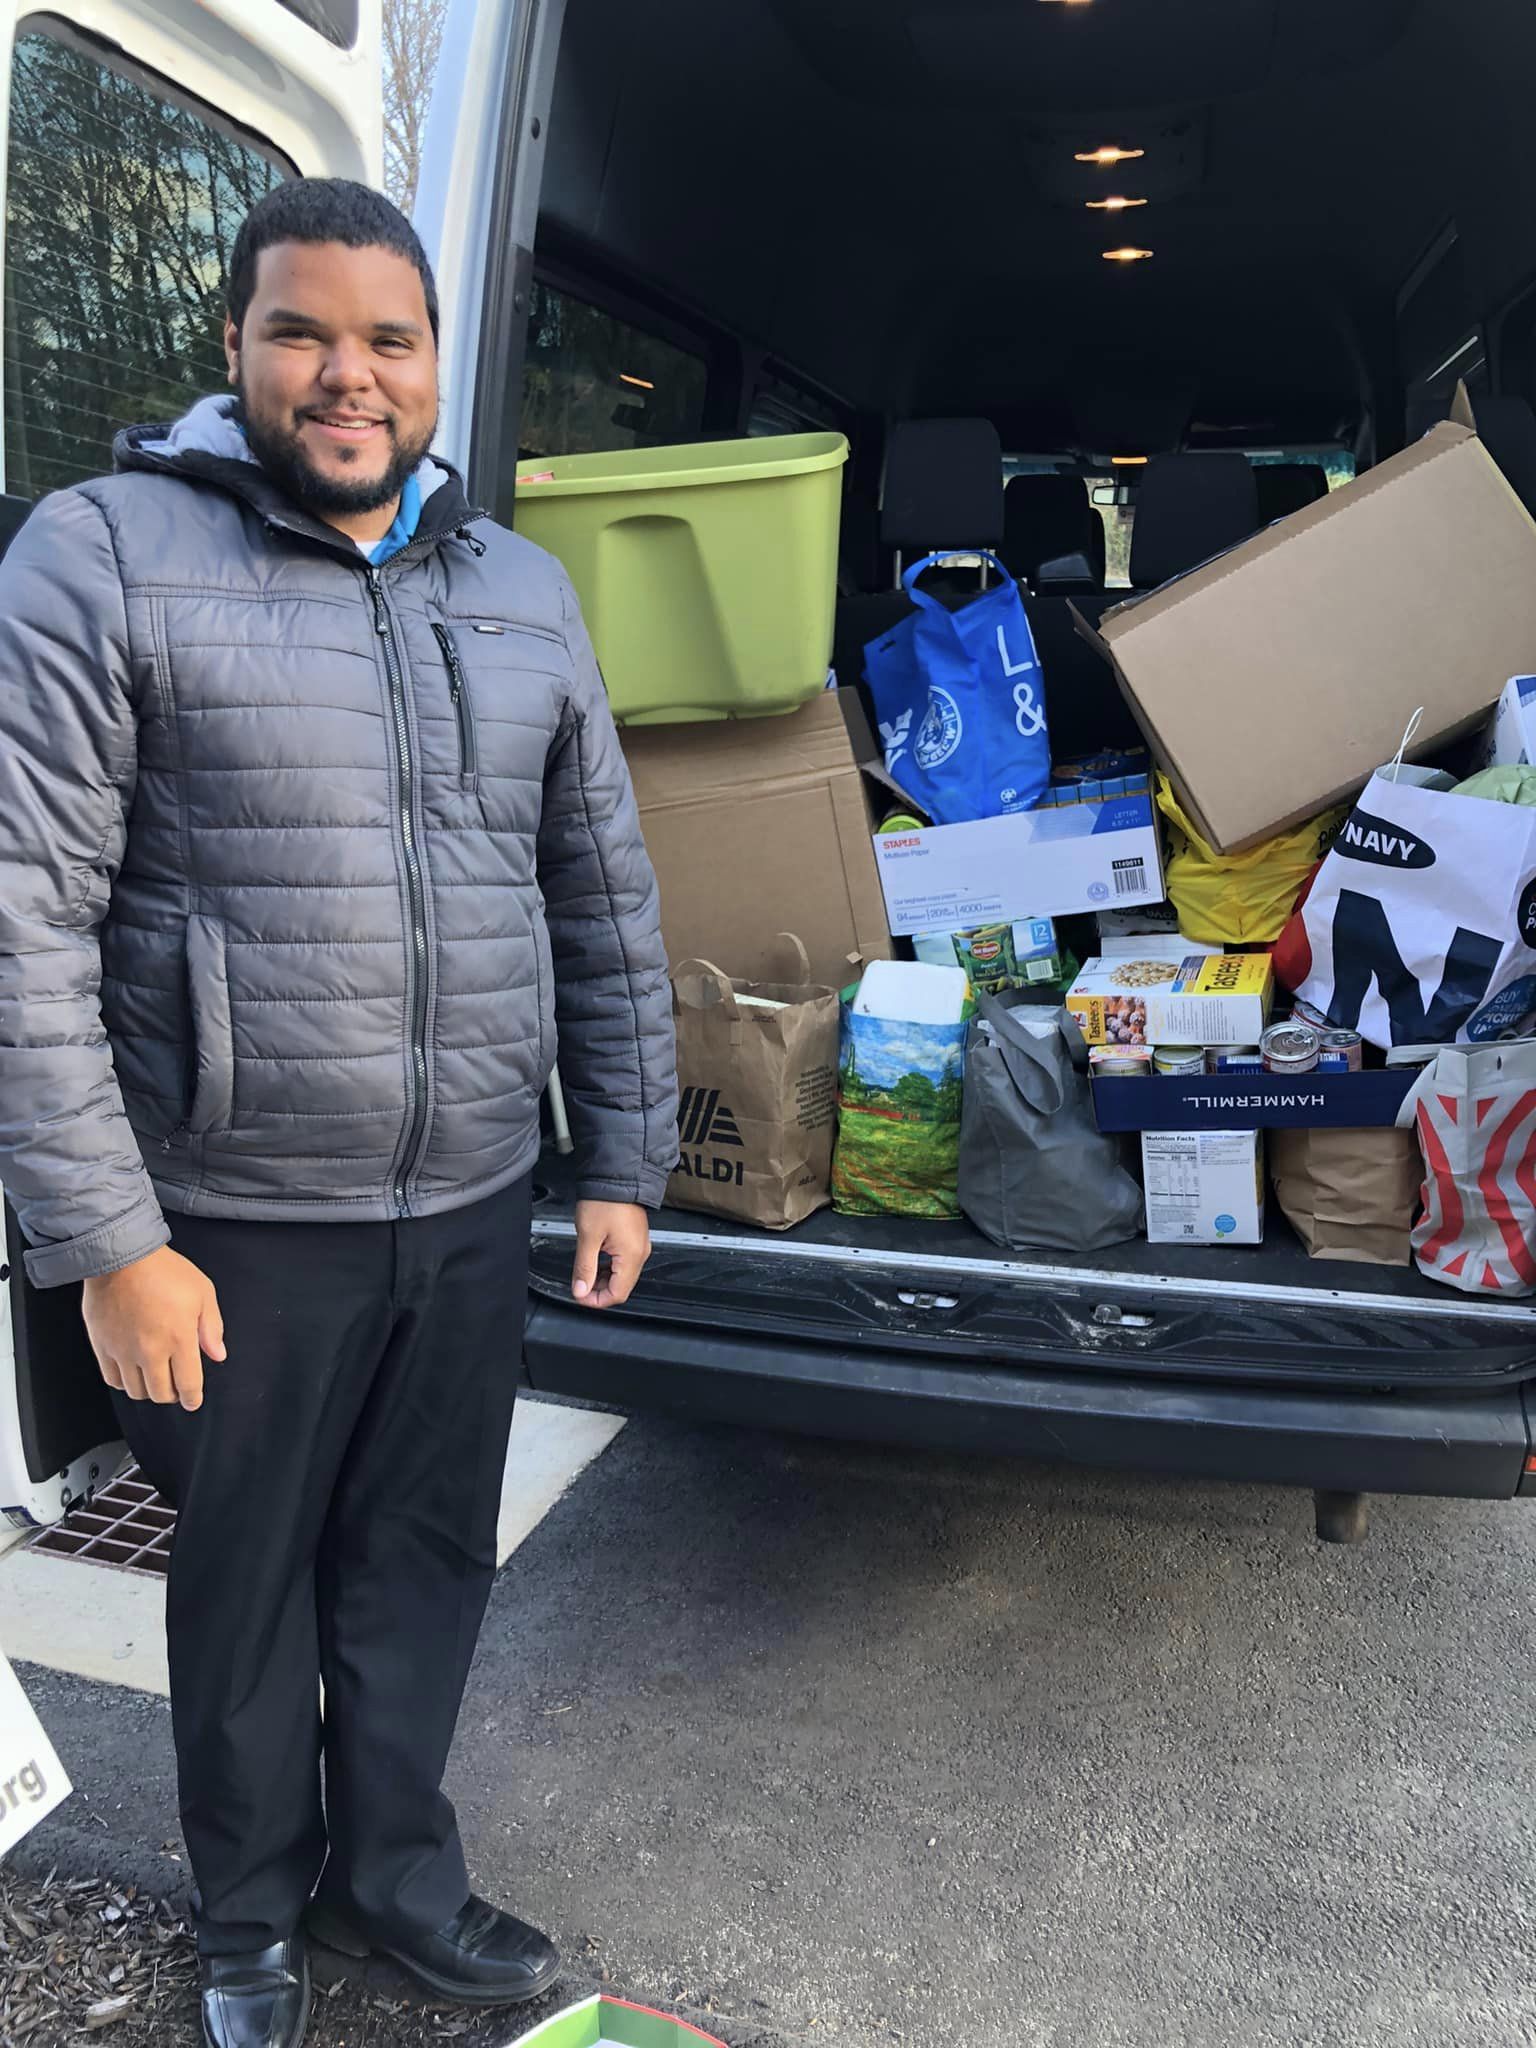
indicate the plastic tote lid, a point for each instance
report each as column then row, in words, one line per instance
column 601, row 2022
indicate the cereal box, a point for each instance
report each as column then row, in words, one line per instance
column 1153, row 1000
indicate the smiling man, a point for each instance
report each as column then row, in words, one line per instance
column 314, row 837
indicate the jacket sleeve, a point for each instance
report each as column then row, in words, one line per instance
column 618, row 1062
column 68, row 745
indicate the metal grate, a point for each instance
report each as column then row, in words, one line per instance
column 126, row 1525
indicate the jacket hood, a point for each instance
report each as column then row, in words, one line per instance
column 205, row 445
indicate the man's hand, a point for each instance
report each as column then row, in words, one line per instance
column 622, row 1230
column 149, row 1326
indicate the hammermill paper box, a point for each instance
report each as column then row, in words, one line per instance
column 1204, row 1187
column 1151, row 998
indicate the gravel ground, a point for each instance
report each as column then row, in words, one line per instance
column 84, row 1959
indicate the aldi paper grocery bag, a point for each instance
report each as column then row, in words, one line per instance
column 32, row 1780
column 1349, row 1194
column 757, row 1066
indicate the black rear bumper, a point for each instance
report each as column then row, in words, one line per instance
column 1473, row 1447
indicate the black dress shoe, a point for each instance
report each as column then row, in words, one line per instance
column 256, row 2000
column 482, row 1957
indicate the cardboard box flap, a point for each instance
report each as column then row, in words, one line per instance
column 1414, row 585
column 682, row 764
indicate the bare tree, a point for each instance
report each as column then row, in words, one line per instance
column 413, row 41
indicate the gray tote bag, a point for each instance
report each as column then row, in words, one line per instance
column 1034, row 1168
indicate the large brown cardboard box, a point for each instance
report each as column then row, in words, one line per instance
column 758, row 826
column 1272, row 680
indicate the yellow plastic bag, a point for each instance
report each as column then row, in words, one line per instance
column 1240, row 899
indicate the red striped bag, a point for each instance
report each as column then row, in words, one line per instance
column 1474, row 1109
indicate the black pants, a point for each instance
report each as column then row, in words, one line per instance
column 337, row 1500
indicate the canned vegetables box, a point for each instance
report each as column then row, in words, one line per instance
column 1204, row 1187
column 1199, row 1000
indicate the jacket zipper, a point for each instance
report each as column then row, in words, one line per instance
column 415, row 890
column 463, row 709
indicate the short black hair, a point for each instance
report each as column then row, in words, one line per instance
column 324, row 210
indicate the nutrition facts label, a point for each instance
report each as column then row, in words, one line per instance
column 1200, row 1186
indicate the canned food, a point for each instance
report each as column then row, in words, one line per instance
column 1305, row 1013
column 1233, row 1059
column 988, row 957
column 1342, row 1052
column 1120, row 1062
column 1179, row 1059
column 1292, row 1048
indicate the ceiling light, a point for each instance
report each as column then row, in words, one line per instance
column 1130, row 461
column 1126, row 255
column 1109, row 154
column 640, row 383
column 1116, row 205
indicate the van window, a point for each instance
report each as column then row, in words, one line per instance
column 782, row 407
column 121, row 208
column 592, row 382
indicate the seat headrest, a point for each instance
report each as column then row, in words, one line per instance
column 1188, row 508
column 1285, row 487
column 1051, row 533
column 943, row 486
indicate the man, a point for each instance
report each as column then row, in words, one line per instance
column 314, row 830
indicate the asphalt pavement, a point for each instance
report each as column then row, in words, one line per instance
column 837, row 1742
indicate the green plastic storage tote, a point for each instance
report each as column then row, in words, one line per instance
column 707, row 574
column 602, row 2022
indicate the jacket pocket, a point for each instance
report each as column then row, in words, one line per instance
column 213, row 1038
column 463, row 707
column 544, row 970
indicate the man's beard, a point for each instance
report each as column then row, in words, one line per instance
column 280, row 451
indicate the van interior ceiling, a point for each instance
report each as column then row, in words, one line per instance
column 884, row 197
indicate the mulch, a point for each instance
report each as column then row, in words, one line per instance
column 85, row 1960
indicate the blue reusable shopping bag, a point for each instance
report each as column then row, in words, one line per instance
column 960, row 703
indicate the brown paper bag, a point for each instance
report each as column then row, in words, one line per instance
column 1349, row 1194
column 759, row 1091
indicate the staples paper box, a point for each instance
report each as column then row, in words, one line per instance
column 1028, row 864
column 1511, row 738
column 758, row 826
column 1204, row 1187
column 1152, row 1000
column 1273, row 680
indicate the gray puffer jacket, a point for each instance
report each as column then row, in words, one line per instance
column 305, row 867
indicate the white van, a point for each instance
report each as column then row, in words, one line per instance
column 1281, row 227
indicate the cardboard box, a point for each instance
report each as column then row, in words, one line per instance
column 1251, row 1101
column 759, row 826
column 1153, row 1000
column 1204, row 1187
column 1273, row 680
column 1029, row 864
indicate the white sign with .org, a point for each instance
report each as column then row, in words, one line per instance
column 32, row 1780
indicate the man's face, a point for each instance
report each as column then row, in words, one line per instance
column 336, row 371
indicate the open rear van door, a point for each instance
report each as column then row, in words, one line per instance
column 135, row 134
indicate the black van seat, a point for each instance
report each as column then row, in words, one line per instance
column 858, row 546
column 1188, row 508
column 1287, row 487
column 1507, row 429
column 1052, row 537
column 943, row 489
